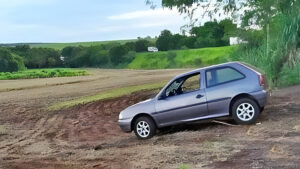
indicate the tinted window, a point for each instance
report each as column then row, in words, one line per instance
column 217, row 76
column 184, row 84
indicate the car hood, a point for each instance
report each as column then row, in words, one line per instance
column 147, row 106
column 142, row 104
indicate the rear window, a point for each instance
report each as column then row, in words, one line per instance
column 253, row 68
column 222, row 75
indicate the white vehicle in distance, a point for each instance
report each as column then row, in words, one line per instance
column 152, row 49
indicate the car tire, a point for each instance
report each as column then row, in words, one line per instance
column 245, row 111
column 144, row 127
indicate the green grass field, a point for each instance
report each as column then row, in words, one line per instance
column 42, row 73
column 182, row 58
column 60, row 46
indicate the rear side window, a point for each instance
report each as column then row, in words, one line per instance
column 222, row 75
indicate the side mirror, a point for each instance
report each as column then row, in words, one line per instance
column 162, row 97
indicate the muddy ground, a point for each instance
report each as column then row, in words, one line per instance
column 88, row 136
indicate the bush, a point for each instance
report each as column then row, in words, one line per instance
column 289, row 75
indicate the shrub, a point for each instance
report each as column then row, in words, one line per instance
column 289, row 75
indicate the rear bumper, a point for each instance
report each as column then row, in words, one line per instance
column 261, row 97
column 125, row 125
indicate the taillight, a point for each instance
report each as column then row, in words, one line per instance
column 261, row 79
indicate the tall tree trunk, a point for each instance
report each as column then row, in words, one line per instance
column 268, row 39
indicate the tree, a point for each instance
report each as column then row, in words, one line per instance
column 190, row 41
column 165, row 41
column 117, row 54
column 230, row 30
column 141, row 45
column 261, row 14
column 71, row 52
column 80, row 59
column 209, row 35
column 178, row 41
column 53, row 58
column 10, row 62
column 99, row 58
column 21, row 49
column 130, row 46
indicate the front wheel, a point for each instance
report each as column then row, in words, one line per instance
column 144, row 128
column 245, row 111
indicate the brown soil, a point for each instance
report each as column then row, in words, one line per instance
column 88, row 136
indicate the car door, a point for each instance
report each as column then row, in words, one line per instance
column 221, row 84
column 183, row 100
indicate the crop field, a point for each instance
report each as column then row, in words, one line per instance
column 85, row 133
column 42, row 73
column 182, row 58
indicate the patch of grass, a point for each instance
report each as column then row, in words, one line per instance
column 3, row 130
column 182, row 58
column 183, row 166
column 289, row 75
column 42, row 73
column 113, row 93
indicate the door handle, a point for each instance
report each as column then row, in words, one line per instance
column 199, row 96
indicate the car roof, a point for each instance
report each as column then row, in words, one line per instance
column 208, row 67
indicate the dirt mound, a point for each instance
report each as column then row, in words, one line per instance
column 97, row 121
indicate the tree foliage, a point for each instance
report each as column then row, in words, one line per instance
column 117, row 54
column 165, row 41
column 142, row 45
column 38, row 57
column 10, row 62
column 211, row 34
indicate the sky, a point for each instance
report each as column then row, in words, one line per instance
column 83, row 20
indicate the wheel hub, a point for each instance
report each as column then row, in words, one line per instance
column 143, row 128
column 245, row 111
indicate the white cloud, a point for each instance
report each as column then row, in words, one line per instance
column 159, row 12
column 12, row 3
column 159, row 17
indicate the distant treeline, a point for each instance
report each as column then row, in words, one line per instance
column 115, row 55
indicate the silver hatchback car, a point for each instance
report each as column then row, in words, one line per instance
column 231, row 89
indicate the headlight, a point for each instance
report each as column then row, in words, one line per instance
column 120, row 116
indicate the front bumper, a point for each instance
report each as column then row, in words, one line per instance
column 125, row 125
column 261, row 97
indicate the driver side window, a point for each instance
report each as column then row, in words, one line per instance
column 184, row 85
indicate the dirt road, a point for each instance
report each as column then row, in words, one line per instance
column 88, row 136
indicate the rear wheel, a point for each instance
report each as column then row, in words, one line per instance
column 144, row 128
column 245, row 111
